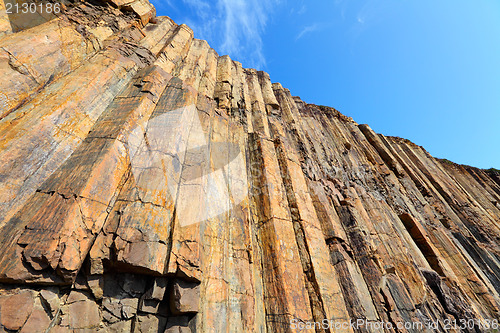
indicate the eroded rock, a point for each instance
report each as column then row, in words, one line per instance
column 149, row 185
column 15, row 309
column 185, row 297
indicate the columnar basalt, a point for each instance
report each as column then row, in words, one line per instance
column 149, row 185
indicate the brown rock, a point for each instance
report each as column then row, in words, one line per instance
column 50, row 298
column 81, row 311
column 38, row 321
column 150, row 324
column 96, row 285
column 29, row 74
column 184, row 297
column 123, row 326
column 150, row 306
column 15, row 309
column 157, row 292
column 143, row 9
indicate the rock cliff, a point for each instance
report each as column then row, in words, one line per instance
column 148, row 184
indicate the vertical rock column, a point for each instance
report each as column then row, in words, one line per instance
column 284, row 284
column 59, row 118
column 243, row 307
column 61, row 46
column 146, row 205
column 70, row 208
column 185, row 255
column 246, row 299
column 322, row 282
column 458, row 251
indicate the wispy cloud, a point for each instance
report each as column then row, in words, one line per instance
column 244, row 23
column 233, row 27
column 308, row 29
column 201, row 7
column 302, row 10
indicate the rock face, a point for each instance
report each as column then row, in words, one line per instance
column 149, row 185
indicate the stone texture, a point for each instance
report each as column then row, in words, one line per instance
column 61, row 46
column 157, row 292
column 38, row 321
column 15, row 309
column 5, row 26
column 80, row 312
column 185, row 297
column 150, row 324
column 149, row 185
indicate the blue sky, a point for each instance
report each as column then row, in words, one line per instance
column 425, row 70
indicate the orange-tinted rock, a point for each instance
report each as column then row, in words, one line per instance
column 5, row 26
column 61, row 45
column 15, row 309
column 143, row 9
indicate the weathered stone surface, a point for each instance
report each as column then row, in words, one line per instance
column 149, row 185
column 38, row 321
column 68, row 42
column 15, row 309
column 5, row 26
column 150, row 324
column 58, row 126
column 185, row 297
column 175, row 48
column 51, row 299
column 157, row 292
column 142, row 8
column 96, row 285
column 80, row 311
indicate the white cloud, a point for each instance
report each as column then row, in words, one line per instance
column 244, row 24
column 307, row 29
column 233, row 27
column 201, row 7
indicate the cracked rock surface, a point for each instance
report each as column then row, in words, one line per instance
column 148, row 184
